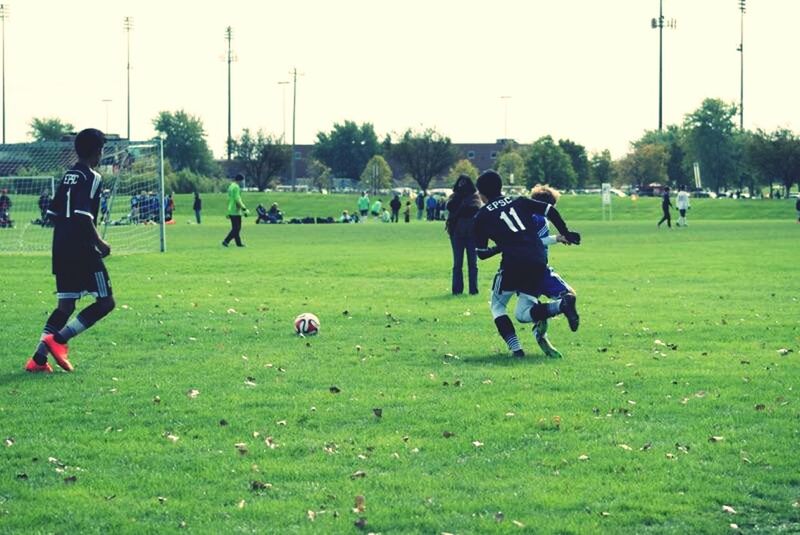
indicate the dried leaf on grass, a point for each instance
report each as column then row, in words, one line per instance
column 193, row 393
column 728, row 509
column 358, row 474
column 360, row 505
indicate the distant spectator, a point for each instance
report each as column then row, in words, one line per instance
column 462, row 207
column 363, row 205
column 274, row 215
column 441, row 209
column 407, row 212
column 169, row 207
column 395, row 205
column 376, row 208
column 197, row 206
column 261, row 214
column 430, row 205
column 386, row 217
column 797, row 207
column 5, row 210
column 44, row 204
column 105, row 209
column 345, row 217
column 236, row 209
column 420, row 202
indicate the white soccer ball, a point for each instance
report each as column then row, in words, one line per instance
column 306, row 324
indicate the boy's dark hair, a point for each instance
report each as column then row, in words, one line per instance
column 239, row 177
column 88, row 142
column 490, row 184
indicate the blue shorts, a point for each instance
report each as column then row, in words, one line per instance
column 552, row 285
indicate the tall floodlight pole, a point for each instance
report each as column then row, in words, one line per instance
column 228, row 37
column 660, row 23
column 505, row 100
column 294, row 73
column 127, row 24
column 3, row 17
column 741, row 66
column 283, row 85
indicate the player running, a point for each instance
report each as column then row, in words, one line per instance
column 78, row 252
column 507, row 222
column 552, row 285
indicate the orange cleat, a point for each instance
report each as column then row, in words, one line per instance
column 32, row 367
column 59, row 352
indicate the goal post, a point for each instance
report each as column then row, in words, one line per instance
column 131, row 214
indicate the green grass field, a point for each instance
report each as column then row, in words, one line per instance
column 193, row 406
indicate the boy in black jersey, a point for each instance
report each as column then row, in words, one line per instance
column 508, row 222
column 78, row 251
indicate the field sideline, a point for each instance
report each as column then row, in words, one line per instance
column 194, row 408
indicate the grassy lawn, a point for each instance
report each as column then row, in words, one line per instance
column 194, row 407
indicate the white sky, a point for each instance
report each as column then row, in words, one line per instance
column 583, row 69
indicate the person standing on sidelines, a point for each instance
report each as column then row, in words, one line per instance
column 236, row 209
column 78, row 252
column 363, row 205
column 420, row 202
column 797, row 207
column 462, row 206
column 197, row 206
column 395, row 205
column 682, row 203
column 665, row 206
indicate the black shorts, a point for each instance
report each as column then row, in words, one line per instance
column 76, row 284
column 363, row 213
column 527, row 280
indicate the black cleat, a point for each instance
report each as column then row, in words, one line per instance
column 569, row 310
column 224, row 244
column 518, row 353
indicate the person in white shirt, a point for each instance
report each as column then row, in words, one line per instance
column 682, row 203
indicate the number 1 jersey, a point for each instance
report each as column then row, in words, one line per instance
column 509, row 224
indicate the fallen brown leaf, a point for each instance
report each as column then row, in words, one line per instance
column 728, row 509
column 193, row 393
column 311, row 515
column 358, row 474
column 716, row 439
column 377, row 412
column 361, row 523
column 70, row 479
column 448, row 434
column 334, row 390
column 360, row 505
column 260, row 485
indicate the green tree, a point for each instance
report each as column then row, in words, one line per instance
column 644, row 164
column 185, row 143
column 579, row 159
column 262, row 156
column 775, row 156
column 320, row 174
column 602, row 167
column 377, row 174
column 673, row 139
column 547, row 163
column 347, row 148
column 511, row 166
column 710, row 141
column 49, row 129
column 424, row 155
column 462, row 167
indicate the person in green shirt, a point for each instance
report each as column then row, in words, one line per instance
column 363, row 205
column 236, row 209
column 376, row 208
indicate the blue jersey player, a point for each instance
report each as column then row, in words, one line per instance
column 78, row 252
column 552, row 285
column 509, row 224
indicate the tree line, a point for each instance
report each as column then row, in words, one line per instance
column 728, row 158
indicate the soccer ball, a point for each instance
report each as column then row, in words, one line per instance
column 306, row 324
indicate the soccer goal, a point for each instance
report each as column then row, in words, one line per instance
column 131, row 215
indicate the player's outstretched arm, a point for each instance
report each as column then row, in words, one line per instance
column 555, row 217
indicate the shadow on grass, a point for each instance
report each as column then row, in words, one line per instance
column 534, row 359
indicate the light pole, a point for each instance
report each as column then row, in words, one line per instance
column 3, row 16
column 660, row 23
column 229, row 58
column 741, row 66
column 505, row 100
column 283, row 85
column 106, row 101
column 127, row 24
column 294, row 74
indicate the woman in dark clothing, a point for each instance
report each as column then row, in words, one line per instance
column 462, row 207
column 197, row 206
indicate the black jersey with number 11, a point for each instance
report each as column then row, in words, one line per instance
column 508, row 223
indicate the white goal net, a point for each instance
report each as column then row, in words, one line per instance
column 131, row 213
